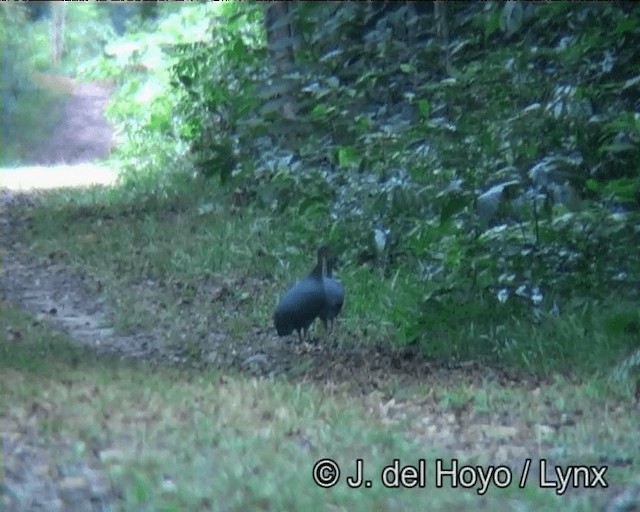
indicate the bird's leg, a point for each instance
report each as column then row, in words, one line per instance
column 306, row 346
column 301, row 347
column 328, row 327
column 302, row 334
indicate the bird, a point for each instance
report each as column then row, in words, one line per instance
column 304, row 301
column 334, row 296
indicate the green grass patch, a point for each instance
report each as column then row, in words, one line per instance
column 190, row 246
column 174, row 439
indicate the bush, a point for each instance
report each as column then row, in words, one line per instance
column 491, row 175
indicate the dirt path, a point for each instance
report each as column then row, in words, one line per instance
column 84, row 135
column 34, row 477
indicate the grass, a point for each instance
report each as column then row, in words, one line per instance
column 184, row 266
column 172, row 254
column 188, row 440
column 187, row 247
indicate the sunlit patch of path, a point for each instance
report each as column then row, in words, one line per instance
column 57, row 176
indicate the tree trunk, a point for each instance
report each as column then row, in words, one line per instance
column 57, row 30
column 281, row 41
column 442, row 31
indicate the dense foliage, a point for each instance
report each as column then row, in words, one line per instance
column 14, row 78
column 29, row 83
column 489, row 166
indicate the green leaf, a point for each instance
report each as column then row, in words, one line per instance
column 348, row 157
column 453, row 204
column 424, row 107
column 313, row 206
column 593, row 185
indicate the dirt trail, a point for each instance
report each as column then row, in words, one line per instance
column 84, row 134
column 82, row 137
column 33, row 476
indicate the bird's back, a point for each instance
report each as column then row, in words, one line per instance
column 300, row 306
column 334, row 294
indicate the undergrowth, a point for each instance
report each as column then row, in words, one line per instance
column 194, row 239
column 480, row 187
column 457, row 233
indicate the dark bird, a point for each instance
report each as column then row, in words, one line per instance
column 334, row 293
column 303, row 302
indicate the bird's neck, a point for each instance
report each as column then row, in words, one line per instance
column 322, row 269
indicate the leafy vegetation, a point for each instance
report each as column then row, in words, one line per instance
column 478, row 174
column 30, row 82
column 499, row 165
column 18, row 101
column 29, row 70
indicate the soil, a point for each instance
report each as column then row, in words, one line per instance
column 47, row 287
